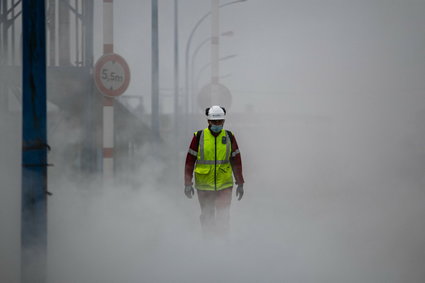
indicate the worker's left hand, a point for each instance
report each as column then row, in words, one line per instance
column 239, row 191
column 189, row 191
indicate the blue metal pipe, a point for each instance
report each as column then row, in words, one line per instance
column 34, row 143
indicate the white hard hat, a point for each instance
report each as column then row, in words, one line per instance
column 215, row 113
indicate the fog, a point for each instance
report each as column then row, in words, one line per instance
column 327, row 107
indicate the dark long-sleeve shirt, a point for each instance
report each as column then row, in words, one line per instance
column 235, row 161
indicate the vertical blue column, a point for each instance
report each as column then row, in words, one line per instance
column 34, row 143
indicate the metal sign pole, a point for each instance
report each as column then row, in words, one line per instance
column 108, row 103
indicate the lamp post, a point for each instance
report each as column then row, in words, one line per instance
column 176, row 67
column 208, row 65
column 193, row 60
column 188, row 43
column 155, row 71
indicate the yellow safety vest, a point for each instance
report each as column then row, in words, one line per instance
column 213, row 171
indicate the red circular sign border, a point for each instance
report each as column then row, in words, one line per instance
column 99, row 64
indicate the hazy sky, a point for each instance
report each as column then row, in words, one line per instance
column 295, row 48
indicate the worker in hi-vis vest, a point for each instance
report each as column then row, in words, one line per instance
column 213, row 156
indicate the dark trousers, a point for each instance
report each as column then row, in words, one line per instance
column 215, row 211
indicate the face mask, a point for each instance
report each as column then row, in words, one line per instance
column 216, row 128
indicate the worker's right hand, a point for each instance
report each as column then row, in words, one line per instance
column 189, row 191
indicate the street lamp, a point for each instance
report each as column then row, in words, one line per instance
column 209, row 64
column 188, row 43
column 195, row 53
column 203, row 43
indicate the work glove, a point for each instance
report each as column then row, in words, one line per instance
column 189, row 191
column 239, row 191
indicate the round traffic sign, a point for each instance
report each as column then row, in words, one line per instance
column 214, row 94
column 112, row 75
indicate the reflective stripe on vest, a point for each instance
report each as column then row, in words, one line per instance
column 212, row 173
